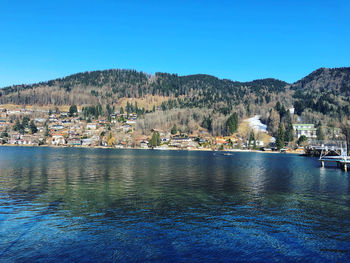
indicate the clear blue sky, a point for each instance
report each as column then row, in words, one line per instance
column 238, row 40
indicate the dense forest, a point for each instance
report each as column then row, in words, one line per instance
column 326, row 91
column 107, row 87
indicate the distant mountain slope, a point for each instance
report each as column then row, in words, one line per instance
column 325, row 90
column 108, row 86
column 336, row 80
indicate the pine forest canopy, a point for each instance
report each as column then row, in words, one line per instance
column 110, row 85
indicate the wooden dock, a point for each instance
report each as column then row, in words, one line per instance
column 342, row 161
column 333, row 152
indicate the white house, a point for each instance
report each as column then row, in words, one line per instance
column 307, row 130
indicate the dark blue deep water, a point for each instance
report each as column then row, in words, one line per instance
column 98, row 205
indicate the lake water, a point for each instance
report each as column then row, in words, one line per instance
column 101, row 205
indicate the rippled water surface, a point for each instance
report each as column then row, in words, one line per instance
column 98, row 205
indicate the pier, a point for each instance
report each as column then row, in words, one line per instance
column 332, row 152
column 342, row 162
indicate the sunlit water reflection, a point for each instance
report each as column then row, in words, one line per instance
column 99, row 205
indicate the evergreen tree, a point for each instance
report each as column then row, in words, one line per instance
column 33, row 127
column 273, row 121
column 232, row 123
column 158, row 139
column 302, row 139
column 278, row 106
column 4, row 134
column 163, row 106
column 155, row 140
column 128, row 107
column 109, row 109
column 289, row 134
column 152, row 142
column 251, row 138
column 96, row 113
column 19, row 126
column 174, row 129
column 248, row 109
column 281, row 110
column 207, row 123
column 25, row 121
column 109, row 112
column 121, row 110
column 280, row 137
column 46, row 131
column 73, row 110
column 99, row 110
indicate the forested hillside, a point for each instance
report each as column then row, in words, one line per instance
column 109, row 86
column 194, row 102
column 324, row 91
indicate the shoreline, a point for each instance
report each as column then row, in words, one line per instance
column 159, row 149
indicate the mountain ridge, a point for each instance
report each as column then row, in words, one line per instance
column 131, row 70
column 310, row 75
column 111, row 85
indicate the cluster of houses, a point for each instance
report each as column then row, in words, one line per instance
column 60, row 129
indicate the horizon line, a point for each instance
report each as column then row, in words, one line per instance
column 153, row 74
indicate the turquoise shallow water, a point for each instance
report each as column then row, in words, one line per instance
column 99, row 205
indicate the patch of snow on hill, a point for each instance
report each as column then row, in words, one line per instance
column 256, row 124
